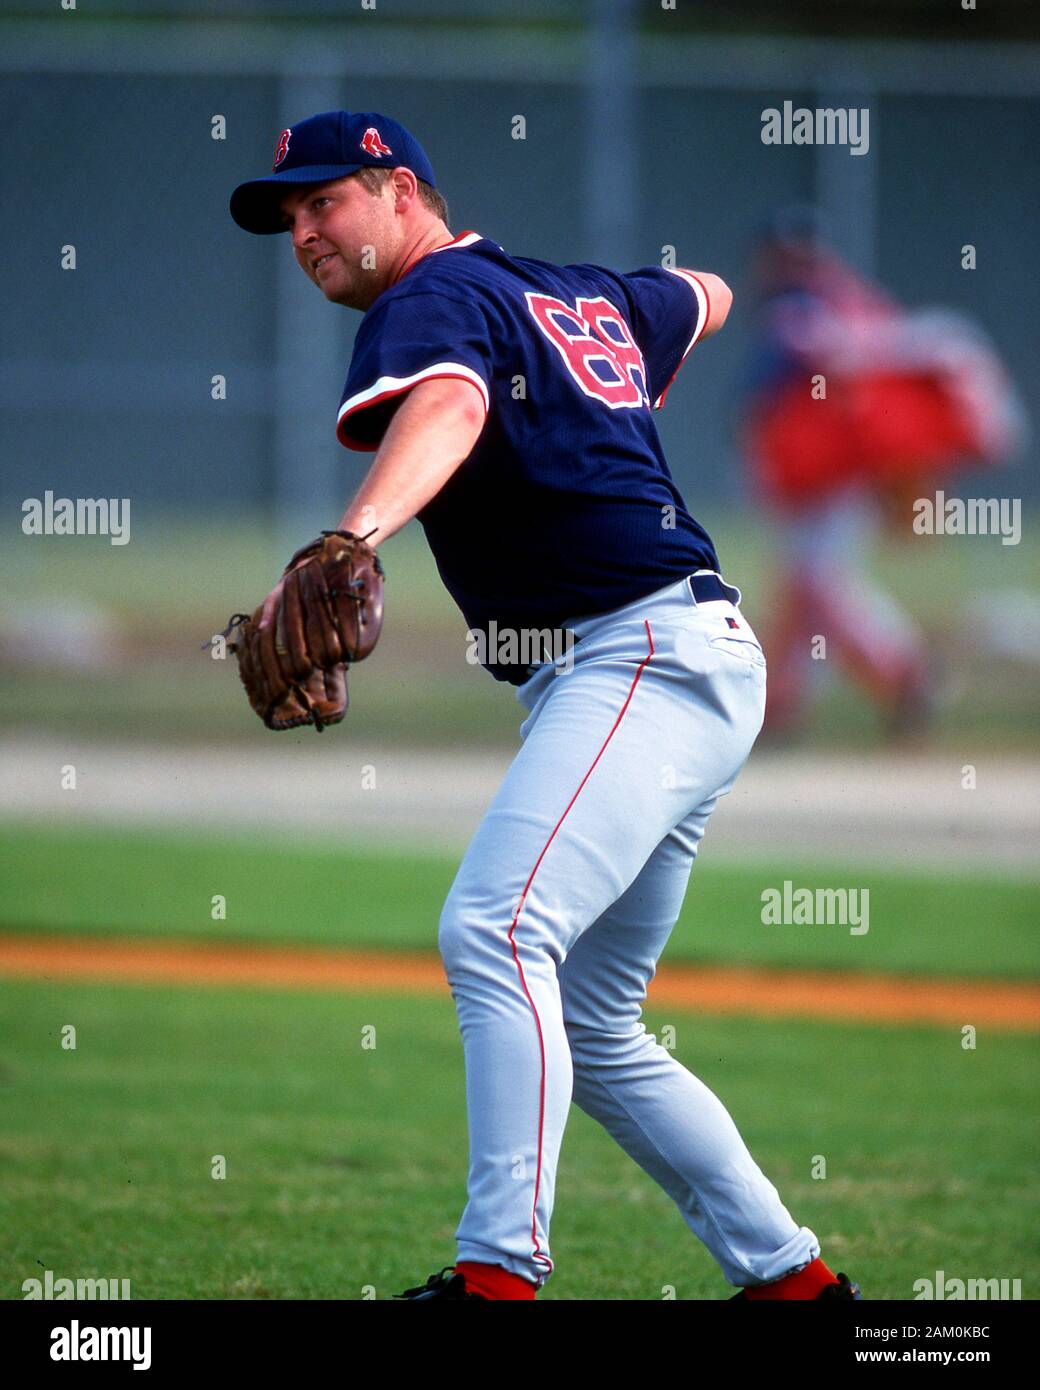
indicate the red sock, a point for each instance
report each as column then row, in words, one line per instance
column 492, row 1281
column 805, row 1283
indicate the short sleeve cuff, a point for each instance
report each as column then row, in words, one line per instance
column 703, row 303
column 357, row 407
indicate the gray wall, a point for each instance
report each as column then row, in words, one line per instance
column 105, row 381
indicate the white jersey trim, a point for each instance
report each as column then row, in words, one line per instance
column 462, row 240
column 388, row 386
column 700, row 294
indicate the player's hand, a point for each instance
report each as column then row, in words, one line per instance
column 324, row 614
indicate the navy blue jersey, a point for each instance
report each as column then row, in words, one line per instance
column 565, row 507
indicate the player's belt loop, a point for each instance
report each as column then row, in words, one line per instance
column 706, row 587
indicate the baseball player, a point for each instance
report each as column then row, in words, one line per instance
column 908, row 396
column 508, row 403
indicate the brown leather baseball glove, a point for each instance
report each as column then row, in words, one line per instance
column 328, row 615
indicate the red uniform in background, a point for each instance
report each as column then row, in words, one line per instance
column 855, row 402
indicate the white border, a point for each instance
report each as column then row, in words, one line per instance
column 700, row 294
column 464, row 239
column 394, row 385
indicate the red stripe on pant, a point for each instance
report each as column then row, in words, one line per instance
column 538, row 1253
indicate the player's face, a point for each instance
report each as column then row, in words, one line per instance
column 343, row 238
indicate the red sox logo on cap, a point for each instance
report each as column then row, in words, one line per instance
column 372, row 142
column 282, row 148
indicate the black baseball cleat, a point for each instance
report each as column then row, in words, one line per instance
column 843, row 1289
column 439, row 1287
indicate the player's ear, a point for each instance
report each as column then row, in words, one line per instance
column 405, row 186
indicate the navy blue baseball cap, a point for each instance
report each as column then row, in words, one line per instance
column 323, row 147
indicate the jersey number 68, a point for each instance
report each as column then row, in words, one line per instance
column 596, row 346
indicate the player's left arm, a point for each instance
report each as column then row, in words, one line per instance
column 432, row 432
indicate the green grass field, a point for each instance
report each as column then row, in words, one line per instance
column 346, row 1167
column 158, row 885
column 176, row 584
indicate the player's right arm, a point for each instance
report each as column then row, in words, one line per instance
column 671, row 310
column 720, row 300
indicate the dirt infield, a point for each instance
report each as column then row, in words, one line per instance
column 903, row 810
column 832, row 996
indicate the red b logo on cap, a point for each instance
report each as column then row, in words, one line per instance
column 282, row 148
column 372, row 142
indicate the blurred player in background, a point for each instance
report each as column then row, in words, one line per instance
column 854, row 405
